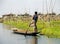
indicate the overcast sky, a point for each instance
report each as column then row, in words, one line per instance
column 22, row 6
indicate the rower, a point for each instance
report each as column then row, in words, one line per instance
column 35, row 18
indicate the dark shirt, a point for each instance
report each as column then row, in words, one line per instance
column 35, row 18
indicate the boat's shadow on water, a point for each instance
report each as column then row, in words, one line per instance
column 31, row 39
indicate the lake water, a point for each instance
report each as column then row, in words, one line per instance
column 8, row 37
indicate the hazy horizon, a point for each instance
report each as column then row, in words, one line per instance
column 29, row 6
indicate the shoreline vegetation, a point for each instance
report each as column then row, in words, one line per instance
column 48, row 25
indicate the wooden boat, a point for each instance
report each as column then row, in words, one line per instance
column 24, row 32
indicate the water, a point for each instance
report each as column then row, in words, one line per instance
column 7, row 37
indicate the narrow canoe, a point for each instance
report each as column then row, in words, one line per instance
column 25, row 33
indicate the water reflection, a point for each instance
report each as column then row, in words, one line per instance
column 7, row 26
column 31, row 40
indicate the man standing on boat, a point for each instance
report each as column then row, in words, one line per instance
column 35, row 18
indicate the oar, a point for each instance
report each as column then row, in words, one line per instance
column 27, row 30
